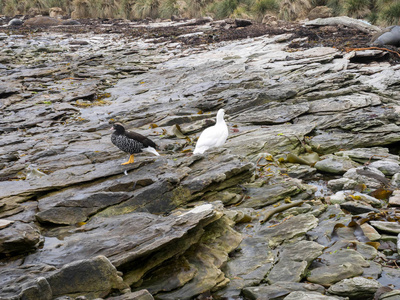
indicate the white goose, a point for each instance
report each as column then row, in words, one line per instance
column 214, row 136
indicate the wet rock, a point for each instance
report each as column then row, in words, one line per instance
column 358, row 208
column 299, row 295
column 387, row 167
column 390, row 276
column 363, row 155
column 296, row 226
column 95, row 277
column 207, row 258
column 294, row 261
column 337, row 198
column 281, row 289
column 393, row 295
column 139, row 295
column 19, row 237
column 272, row 113
column 268, row 194
column 335, row 164
column 328, row 275
column 370, row 232
column 374, row 270
column 252, row 261
column 394, row 200
column 342, row 184
column 392, row 227
column 355, row 288
column 369, row 176
column 39, row 289
column 343, row 256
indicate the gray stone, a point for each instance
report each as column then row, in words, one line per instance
column 394, row 200
column 335, row 164
column 374, row 270
column 293, row 261
column 272, row 113
column 299, row 295
column 355, row 288
column 95, row 277
column 370, row 232
column 253, row 260
column 331, row 274
column 390, row 276
column 41, row 289
column 280, row 289
column 343, row 256
column 268, row 194
column 19, row 237
column 369, row 176
column 392, row 295
column 358, row 208
column 337, row 198
column 392, row 227
column 138, row 295
column 387, row 167
column 296, row 226
column 363, row 155
column 395, row 180
column 342, row 184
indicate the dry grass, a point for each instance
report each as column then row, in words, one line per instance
column 357, row 8
column 291, row 10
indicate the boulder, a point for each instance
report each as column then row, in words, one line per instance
column 93, row 277
column 56, row 12
column 355, row 288
column 18, row 237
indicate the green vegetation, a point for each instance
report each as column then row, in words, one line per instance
column 390, row 12
column 381, row 12
column 357, row 8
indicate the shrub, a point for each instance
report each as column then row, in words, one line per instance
column 390, row 15
column 225, row 8
column 145, row 8
column 261, row 7
column 291, row 10
column 357, row 8
column 336, row 6
column 168, row 8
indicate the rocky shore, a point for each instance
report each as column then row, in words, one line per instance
column 302, row 201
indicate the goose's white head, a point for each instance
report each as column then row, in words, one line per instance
column 220, row 115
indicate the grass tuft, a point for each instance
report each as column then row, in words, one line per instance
column 357, row 8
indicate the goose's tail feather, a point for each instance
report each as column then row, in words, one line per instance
column 151, row 150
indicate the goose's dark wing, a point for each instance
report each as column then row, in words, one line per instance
column 140, row 138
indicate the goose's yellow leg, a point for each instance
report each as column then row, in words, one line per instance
column 130, row 161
